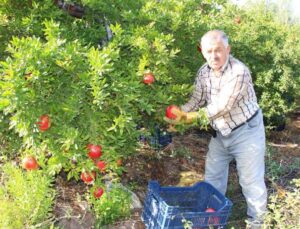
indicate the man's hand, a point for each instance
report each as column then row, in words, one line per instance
column 182, row 117
column 179, row 115
column 172, row 129
column 189, row 117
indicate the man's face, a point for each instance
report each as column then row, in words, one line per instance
column 215, row 53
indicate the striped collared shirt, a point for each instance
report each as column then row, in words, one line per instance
column 229, row 98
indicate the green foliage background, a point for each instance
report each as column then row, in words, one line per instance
column 26, row 199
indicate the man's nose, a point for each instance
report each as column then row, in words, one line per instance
column 214, row 54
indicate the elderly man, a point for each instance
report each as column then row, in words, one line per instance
column 224, row 96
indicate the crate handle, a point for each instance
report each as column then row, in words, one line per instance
column 154, row 204
column 155, row 197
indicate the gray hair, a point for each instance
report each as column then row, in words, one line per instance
column 215, row 35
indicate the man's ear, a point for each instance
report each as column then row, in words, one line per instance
column 228, row 49
column 204, row 54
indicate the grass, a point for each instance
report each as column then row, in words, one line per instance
column 234, row 193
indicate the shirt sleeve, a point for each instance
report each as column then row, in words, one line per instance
column 229, row 94
column 197, row 98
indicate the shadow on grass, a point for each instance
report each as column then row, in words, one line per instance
column 234, row 193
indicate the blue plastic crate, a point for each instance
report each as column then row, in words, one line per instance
column 169, row 207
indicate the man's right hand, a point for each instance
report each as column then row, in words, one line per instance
column 172, row 129
column 180, row 117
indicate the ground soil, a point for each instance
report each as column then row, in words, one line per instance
column 180, row 164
